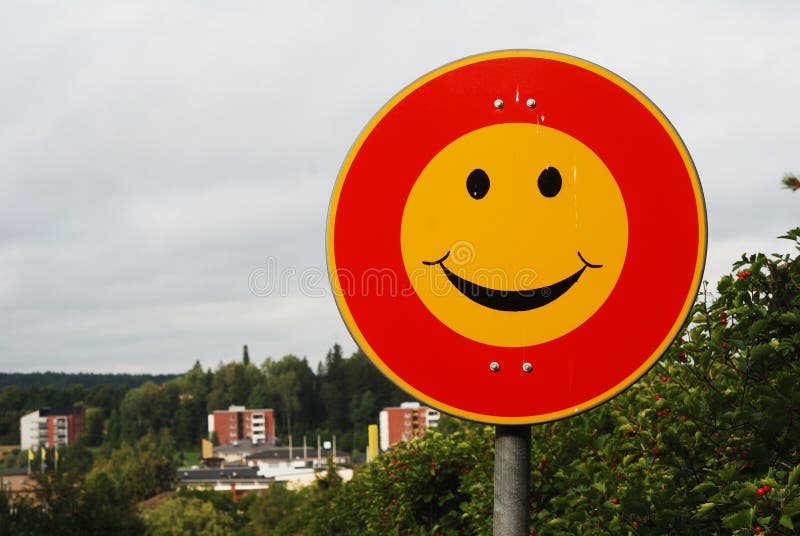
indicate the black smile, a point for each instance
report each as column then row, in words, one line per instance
column 512, row 300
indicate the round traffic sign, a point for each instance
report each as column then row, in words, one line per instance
column 516, row 237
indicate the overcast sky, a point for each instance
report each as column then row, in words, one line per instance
column 159, row 159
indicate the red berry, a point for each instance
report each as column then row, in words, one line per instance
column 725, row 345
column 766, row 488
column 544, row 459
column 658, row 397
column 758, row 528
column 685, row 418
column 724, row 320
column 614, row 501
column 666, row 411
column 659, row 414
column 760, row 491
column 664, row 378
column 635, row 523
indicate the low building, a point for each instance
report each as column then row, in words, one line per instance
column 17, row 482
column 409, row 421
column 237, row 480
column 238, row 423
column 51, row 427
column 246, row 467
column 274, row 461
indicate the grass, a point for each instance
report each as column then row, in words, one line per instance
column 191, row 457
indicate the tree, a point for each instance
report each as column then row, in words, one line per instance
column 231, row 385
column 292, row 389
column 277, row 511
column 187, row 516
column 142, row 470
column 65, row 504
column 285, row 386
column 76, row 458
column 19, row 516
column 435, row 484
column 195, row 382
column 105, row 396
column 191, row 422
column 791, row 181
column 139, row 412
column 95, row 421
column 333, row 386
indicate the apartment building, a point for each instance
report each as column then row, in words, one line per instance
column 408, row 421
column 51, row 427
column 238, row 423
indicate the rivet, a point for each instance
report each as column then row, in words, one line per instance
column 498, row 103
column 494, row 366
column 527, row 367
column 530, row 103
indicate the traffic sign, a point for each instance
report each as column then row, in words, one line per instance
column 516, row 237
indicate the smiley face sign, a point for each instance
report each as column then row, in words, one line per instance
column 516, row 237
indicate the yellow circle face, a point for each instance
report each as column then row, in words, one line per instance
column 514, row 234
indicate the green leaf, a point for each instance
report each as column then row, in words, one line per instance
column 747, row 491
column 738, row 520
column 757, row 327
column 633, row 457
column 705, row 487
column 791, row 508
column 794, row 476
column 786, row 521
column 704, row 509
column 789, row 318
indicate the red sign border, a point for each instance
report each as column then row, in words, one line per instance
column 689, row 280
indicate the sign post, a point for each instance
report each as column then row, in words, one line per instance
column 491, row 228
column 512, row 471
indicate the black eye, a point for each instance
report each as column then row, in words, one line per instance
column 478, row 183
column 549, row 182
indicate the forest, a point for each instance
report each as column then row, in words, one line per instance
column 341, row 398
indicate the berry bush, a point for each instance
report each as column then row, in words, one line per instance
column 708, row 442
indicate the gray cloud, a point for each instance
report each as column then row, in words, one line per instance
column 155, row 154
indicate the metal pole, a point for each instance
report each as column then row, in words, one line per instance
column 512, row 470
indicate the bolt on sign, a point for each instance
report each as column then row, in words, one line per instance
column 516, row 237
